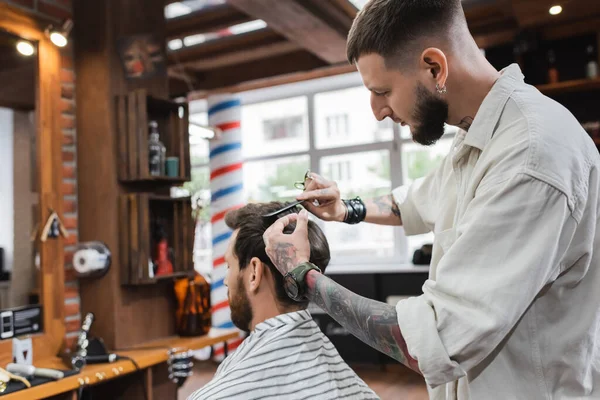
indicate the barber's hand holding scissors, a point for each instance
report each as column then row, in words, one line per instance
column 329, row 206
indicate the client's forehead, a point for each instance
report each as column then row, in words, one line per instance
column 229, row 254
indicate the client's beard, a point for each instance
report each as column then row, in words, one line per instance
column 241, row 312
column 430, row 116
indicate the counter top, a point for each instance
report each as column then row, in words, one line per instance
column 145, row 355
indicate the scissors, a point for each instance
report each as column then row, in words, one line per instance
column 301, row 185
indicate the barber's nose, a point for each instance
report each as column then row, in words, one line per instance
column 380, row 109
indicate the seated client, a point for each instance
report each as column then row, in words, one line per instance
column 286, row 356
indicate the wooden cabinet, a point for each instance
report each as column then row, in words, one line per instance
column 134, row 111
column 139, row 217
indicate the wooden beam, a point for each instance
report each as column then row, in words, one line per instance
column 249, row 71
column 209, row 19
column 331, row 13
column 316, row 73
column 224, row 45
column 242, row 56
column 298, row 25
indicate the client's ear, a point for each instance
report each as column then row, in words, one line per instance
column 256, row 274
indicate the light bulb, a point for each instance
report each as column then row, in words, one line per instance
column 58, row 39
column 25, row 48
column 555, row 10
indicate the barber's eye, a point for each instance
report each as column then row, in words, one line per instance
column 380, row 94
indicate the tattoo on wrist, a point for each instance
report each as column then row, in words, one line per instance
column 284, row 256
column 465, row 123
column 386, row 205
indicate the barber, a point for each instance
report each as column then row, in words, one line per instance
column 511, row 308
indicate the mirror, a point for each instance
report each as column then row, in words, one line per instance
column 19, row 198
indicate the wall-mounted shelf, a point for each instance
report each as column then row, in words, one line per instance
column 138, row 216
column 134, row 111
column 580, row 85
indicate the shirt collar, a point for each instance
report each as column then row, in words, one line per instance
column 483, row 126
column 283, row 319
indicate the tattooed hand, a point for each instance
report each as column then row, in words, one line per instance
column 287, row 251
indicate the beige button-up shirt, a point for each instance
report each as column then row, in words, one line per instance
column 511, row 309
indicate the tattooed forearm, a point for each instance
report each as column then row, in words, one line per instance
column 465, row 123
column 373, row 322
column 383, row 210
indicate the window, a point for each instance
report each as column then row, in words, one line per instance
column 344, row 118
column 283, row 128
column 327, row 126
column 337, row 126
column 272, row 180
column 275, row 127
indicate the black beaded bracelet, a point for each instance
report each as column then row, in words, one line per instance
column 356, row 211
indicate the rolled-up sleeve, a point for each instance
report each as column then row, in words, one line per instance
column 506, row 248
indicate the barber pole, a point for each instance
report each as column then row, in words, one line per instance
column 226, row 185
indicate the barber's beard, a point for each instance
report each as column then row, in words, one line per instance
column 430, row 116
column 241, row 311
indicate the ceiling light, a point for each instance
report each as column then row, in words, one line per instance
column 25, row 48
column 59, row 36
column 555, row 10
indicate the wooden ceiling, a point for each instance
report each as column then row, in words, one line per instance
column 309, row 37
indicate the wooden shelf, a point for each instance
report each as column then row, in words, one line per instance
column 146, row 355
column 134, row 111
column 580, row 85
column 137, row 217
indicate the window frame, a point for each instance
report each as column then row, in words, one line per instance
column 310, row 89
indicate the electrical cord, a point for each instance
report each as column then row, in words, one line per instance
column 137, row 368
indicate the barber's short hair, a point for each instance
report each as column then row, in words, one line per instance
column 249, row 242
column 391, row 28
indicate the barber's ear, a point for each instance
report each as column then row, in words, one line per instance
column 434, row 65
column 255, row 275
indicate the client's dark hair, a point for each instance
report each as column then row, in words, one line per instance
column 249, row 242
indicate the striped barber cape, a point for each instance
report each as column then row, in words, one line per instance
column 285, row 357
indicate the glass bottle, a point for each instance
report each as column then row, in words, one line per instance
column 156, row 151
column 591, row 70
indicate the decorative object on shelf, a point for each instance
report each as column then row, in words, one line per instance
column 172, row 167
column 591, row 69
column 91, row 259
column 142, row 56
column 156, row 151
column 163, row 265
column 552, row 70
column 193, row 316
column 53, row 228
